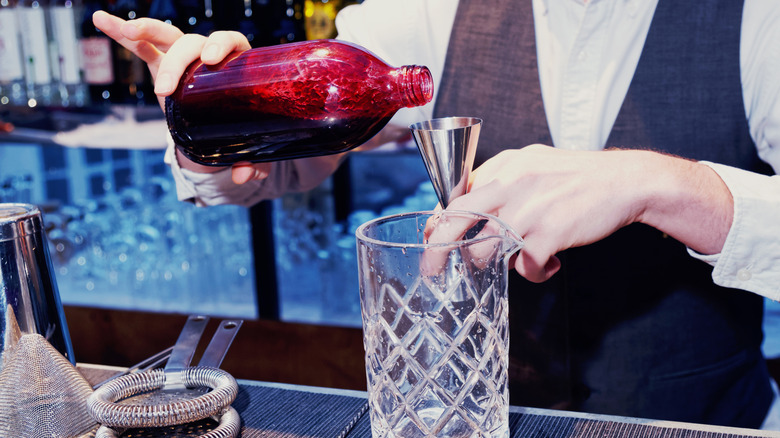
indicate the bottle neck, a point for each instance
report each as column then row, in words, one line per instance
column 416, row 85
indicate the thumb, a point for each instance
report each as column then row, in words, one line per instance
column 244, row 172
column 535, row 270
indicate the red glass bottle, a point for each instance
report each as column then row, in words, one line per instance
column 289, row 101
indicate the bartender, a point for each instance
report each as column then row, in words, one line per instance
column 632, row 253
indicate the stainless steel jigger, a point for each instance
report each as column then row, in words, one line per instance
column 448, row 146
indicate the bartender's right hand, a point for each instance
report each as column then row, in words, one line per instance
column 168, row 51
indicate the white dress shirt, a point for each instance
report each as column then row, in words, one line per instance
column 587, row 53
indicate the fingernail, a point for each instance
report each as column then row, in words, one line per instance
column 210, row 52
column 163, row 84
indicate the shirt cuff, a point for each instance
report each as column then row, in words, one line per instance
column 751, row 254
column 205, row 189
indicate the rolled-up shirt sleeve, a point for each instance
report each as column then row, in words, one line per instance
column 750, row 259
column 218, row 188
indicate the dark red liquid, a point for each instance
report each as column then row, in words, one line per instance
column 288, row 101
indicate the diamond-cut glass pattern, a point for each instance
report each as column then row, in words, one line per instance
column 451, row 376
column 438, row 365
column 435, row 324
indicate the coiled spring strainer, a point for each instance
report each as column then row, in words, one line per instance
column 177, row 394
column 229, row 427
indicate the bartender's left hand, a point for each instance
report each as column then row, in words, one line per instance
column 167, row 52
column 147, row 38
column 558, row 199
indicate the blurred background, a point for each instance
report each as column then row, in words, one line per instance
column 82, row 137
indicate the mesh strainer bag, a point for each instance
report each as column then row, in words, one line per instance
column 11, row 336
column 41, row 393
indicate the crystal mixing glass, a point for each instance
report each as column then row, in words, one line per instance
column 433, row 289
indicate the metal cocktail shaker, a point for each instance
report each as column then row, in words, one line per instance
column 29, row 299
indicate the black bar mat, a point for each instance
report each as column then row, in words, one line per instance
column 268, row 411
column 525, row 425
column 528, row 425
column 281, row 412
column 271, row 412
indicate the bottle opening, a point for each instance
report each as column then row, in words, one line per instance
column 417, row 83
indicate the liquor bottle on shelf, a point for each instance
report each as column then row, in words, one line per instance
column 96, row 57
column 199, row 16
column 12, row 87
column 165, row 10
column 266, row 17
column 289, row 101
column 247, row 24
column 290, row 25
column 31, row 17
column 71, row 89
column 131, row 80
column 320, row 18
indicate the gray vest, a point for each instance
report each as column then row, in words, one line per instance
column 631, row 325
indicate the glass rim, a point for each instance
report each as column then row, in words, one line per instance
column 18, row 220
column 446, row 123
column 360, row 232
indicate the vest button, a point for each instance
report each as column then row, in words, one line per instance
column 744, row 275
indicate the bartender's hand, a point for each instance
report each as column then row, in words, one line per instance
column 168, row 51
column 557, row 199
